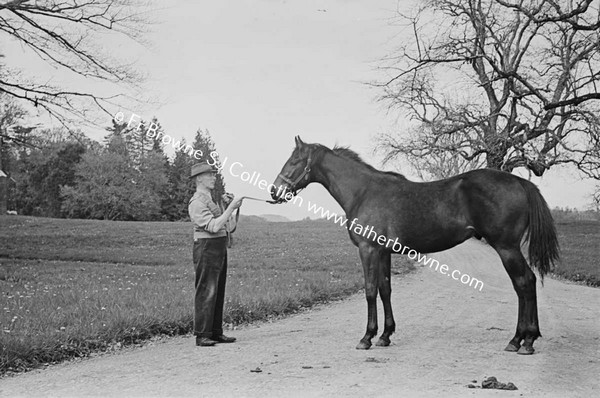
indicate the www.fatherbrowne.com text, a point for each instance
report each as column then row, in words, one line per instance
column 369, row 233
column 236, row 169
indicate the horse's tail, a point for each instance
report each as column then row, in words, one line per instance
column 541, row 233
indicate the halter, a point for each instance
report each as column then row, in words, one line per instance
column 304, row 174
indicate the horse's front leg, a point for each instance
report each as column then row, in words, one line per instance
column 385, row 292
column 370, row 261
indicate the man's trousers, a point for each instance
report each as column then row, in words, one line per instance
column 210, row 261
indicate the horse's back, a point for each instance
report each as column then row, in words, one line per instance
column 437, row 215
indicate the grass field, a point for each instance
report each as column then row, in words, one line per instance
column 72, row 287
column 580, row 251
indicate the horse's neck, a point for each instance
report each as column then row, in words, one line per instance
column 345, row 179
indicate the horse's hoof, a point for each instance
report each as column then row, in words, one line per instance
column 363, row 345
column 526, row 350
column 512, row 348
column 383, row 342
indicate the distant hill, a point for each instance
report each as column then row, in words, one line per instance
column 264, row 218
column 274, row 218
column 244, row 218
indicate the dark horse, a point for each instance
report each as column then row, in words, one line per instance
column 430, row 217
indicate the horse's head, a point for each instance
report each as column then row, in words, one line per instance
column 295, row 174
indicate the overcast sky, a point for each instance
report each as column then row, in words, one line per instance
column 257, row 73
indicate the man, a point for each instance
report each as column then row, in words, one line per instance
column 210, row 257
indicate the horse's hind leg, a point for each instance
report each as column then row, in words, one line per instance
column 385, row 292
column 523, row 280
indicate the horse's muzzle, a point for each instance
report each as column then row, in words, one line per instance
column 280, row 193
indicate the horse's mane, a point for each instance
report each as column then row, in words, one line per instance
column 346, row 152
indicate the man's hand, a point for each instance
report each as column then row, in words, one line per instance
column 227, row 198
column 236, row 203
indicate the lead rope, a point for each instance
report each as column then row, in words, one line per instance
column 230, row 233
column 237, row 217
column 260, row 200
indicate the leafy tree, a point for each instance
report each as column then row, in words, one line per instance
column 501, row 82
column 39, row 170
column 126, row 180
column 140, row 141
column 57, row 170
column 180, row 188
column 117, row 141
column 153, row 178
column 12, row 135
column 204, row 142
column 158, row 152
column 109, row 188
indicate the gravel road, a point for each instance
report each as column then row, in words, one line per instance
column 448, row 335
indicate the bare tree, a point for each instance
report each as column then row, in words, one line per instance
column 595, row 205
column 66, row 34
column 431, row 162
column 512, row 83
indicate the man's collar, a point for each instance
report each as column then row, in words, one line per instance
column 203, row 192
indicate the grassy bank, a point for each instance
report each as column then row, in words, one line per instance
column 580, row 251
column 72, row 287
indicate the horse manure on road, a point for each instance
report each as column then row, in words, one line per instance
column 493, row 383
column 376, row 360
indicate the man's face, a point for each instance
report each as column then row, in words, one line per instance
column 208, row 180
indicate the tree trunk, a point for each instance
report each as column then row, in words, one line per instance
column 3, row 181
column 3, row 195
column 495, row 160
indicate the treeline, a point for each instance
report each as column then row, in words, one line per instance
column 567, row 214
column 56, row 173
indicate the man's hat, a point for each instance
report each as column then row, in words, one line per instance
column 200, row 168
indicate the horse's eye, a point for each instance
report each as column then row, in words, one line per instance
column 296, row 158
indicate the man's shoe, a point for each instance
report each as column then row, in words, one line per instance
column 223, row 339
column 205, row 342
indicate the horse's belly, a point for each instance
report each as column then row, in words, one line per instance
column 437, row 241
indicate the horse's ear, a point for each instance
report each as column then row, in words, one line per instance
column 299, row 142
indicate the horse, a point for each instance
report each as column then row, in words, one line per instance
column 429, row 217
